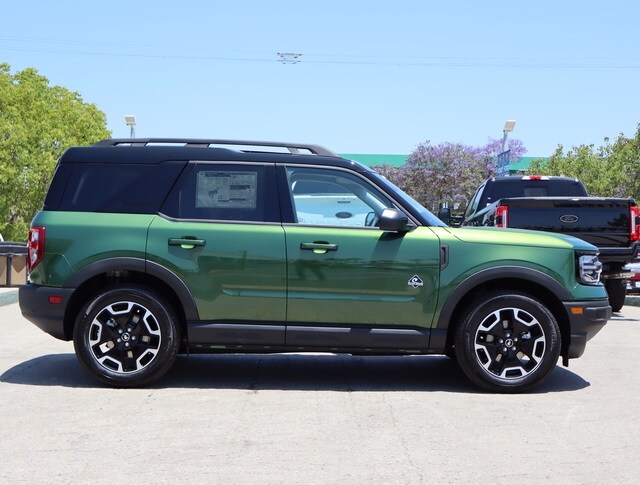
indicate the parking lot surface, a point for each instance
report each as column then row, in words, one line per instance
column 316, row 418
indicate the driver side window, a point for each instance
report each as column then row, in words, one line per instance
column 325, row 197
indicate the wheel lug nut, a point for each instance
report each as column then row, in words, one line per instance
column 119, row 340
column 504, row 349
column 129, row 329
column 127, row 344
column 501, row 341
column 120, row 330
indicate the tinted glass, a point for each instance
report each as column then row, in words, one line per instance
column 473, row 205
column 120, row 188
column 509, row 188
column 225, row 192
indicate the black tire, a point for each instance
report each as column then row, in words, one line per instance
column 507, row 342
column 617, row 291
column 126, row 336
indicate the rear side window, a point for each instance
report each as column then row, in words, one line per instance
column 119, row 188
column 225, row 192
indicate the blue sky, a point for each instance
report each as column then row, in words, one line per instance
column 374, row 77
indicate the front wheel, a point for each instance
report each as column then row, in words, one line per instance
column 126, row 336
column 508, row 342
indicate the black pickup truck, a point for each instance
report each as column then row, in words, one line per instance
column 561, row 204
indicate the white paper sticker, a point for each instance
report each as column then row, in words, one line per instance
column 231, row 190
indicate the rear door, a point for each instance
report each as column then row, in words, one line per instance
column 219, row 231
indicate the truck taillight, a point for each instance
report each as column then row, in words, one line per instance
column 535, row 177
column 634, row 227
column 35, row 246
column 501, row 216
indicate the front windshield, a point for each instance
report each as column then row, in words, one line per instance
column 408, row 201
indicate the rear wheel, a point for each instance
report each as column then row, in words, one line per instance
column 126, row 336
column 508, row 342
column 617, row 291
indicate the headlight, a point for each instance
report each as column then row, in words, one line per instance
column 589, row 269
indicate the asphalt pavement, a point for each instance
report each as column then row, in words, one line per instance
column 317, row 418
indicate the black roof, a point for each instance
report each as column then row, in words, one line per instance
column 156, row 150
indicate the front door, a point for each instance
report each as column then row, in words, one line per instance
column 342, row 269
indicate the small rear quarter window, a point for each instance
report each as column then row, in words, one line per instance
column 119, row 188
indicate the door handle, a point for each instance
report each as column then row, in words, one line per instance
column 319, row 247
column 186, row 242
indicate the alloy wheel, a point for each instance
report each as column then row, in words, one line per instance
column 124, row 337
column 510, row 343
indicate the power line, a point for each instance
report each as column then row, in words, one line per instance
column 36, row 40
column 172, row 52
column 150, row 56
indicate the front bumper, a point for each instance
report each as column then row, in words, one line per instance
column 586, row 319
column 37, row 307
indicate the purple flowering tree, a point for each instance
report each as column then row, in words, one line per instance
column 448, row 172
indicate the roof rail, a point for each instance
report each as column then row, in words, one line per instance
column 293, row 148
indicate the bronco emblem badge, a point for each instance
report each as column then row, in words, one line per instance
column 415, row 281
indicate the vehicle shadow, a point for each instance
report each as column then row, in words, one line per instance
column 621, row 317
column 287, row 372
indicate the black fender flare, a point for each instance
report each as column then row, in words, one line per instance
column 500, row 272
column 141, row 266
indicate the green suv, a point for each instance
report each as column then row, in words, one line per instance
column 149, row 248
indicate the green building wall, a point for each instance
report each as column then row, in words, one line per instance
column 371, row 160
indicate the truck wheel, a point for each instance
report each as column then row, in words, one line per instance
column 126, row 336
column 508, row 342
column 617, row 291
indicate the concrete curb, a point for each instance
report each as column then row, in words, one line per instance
column 9, row 297
column 632, row 300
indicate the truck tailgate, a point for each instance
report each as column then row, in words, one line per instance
column 600, row 221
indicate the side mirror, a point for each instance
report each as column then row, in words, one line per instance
column 444, row 215
column 393, row 220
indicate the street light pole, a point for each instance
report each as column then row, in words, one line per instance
column 508, row 128
column 130, row 120
column 502, row 160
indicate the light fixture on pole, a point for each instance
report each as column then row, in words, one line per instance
column 130, row 120
column 508, row 128
column 502, row 159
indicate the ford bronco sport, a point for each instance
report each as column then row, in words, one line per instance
column 146, row 248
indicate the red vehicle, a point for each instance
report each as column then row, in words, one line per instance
column 633, row 283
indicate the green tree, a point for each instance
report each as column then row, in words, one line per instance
column 37, row 123
column 625, row 159
column 611, row 170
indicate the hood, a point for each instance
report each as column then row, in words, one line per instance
column 519, row 237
